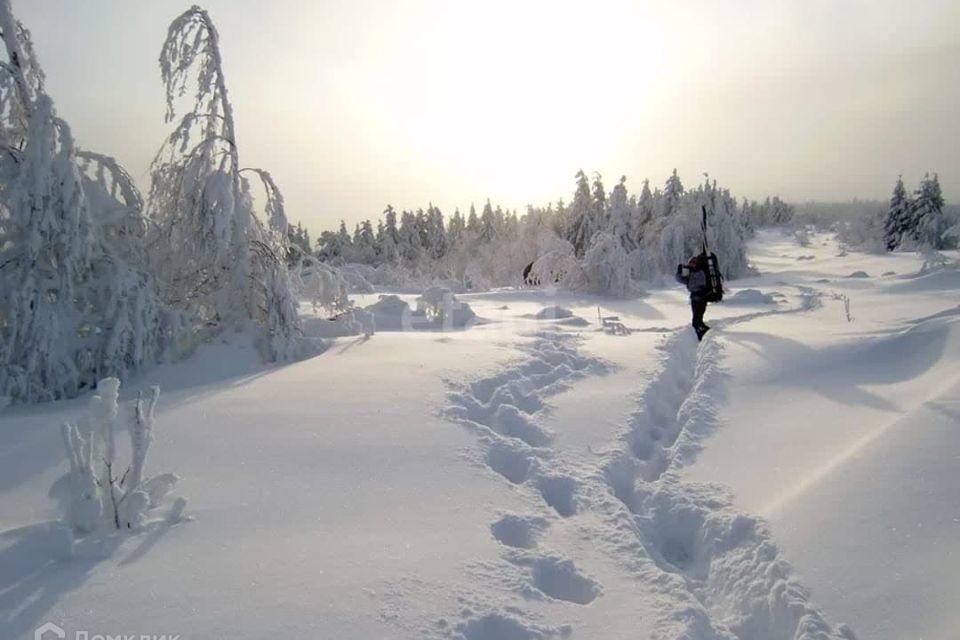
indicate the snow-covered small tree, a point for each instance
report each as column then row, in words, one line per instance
column 98, row 492
column 215, row 258
column 323, row 285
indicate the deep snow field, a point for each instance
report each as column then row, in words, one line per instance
column 532, row 476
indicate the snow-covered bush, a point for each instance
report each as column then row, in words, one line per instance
column 608, row 266
column 440, row 306
column 95, row 493
column 323, row 285
column 559, row 267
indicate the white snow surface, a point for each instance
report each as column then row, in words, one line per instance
column 791, row 477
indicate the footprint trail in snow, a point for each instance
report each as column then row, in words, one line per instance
column 717, row 572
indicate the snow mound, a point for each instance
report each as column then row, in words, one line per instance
column 437, row 308
column 439, row 305
column 941, row 280
column 562, row 315
column 390, row 313
column 750, row 297
column 349, row 323
column 859, row 274
column 553, row 313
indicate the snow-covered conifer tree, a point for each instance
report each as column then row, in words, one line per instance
column 899, row 217
column 488, row 223
column 929, row 222
column 621, row 215
column 456, row 229
column 391, row 237
column 642, row 214
column 672, row 192
column 582, row 224
column 411, row 246
column 436, row 233
column 599, row 202
column 473, row 222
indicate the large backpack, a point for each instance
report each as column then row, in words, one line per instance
column 714, row 276
column 714, row 279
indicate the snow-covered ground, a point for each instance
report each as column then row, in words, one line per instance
column 532, row 476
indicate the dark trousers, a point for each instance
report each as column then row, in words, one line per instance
column 699, row 307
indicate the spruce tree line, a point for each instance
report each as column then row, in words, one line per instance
column 425, row 242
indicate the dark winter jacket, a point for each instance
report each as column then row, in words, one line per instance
column 694, row 276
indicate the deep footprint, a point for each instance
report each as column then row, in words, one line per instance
column 560, row 493
column 560, row 579
column 513, row 465
column 520, row 532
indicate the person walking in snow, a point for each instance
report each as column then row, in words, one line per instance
column 694, row 275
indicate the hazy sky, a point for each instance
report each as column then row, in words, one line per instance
column 353, row 104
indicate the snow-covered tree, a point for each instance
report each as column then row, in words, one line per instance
column 607, row 266
column 672, row 192
column 488, row 223
column 642, row 214
column 582, row 221
column 215, row 257
column 621, row 215
column 390, row 245
column 899, row 217
column 411, row 246
column 930, row 224
column 599, row 202
column 436, row 233
column 365, row 243
column 76, row 303
column 473, row 222
column 456, row 229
